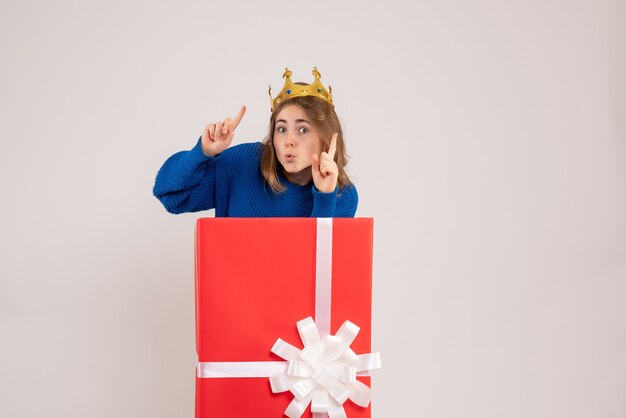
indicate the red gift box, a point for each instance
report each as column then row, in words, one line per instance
column 255, row 279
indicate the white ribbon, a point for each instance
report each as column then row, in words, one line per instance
column 324, row 372
column 241, row 368
column 323, row 273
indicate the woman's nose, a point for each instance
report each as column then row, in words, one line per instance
column 290, row 142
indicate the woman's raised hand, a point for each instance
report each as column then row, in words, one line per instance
column 324, row 169
column 218, row 136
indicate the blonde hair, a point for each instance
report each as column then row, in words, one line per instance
column 323, row 117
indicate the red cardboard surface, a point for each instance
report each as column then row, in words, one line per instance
column 255, row 278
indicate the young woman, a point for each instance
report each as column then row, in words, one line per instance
column 297, row 171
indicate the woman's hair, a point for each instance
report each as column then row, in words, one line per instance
column 323, row 117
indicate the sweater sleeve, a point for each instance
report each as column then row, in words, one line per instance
column 186, row 181
column 337, row 204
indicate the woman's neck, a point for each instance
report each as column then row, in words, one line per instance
column 301, row 178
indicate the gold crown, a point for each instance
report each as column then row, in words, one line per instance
column 291, row 90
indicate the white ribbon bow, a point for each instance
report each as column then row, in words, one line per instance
column 324, row 372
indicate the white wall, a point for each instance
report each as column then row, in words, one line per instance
column 488, row 140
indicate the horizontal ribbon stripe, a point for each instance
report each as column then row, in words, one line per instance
column 241, row 368
column 216, row 369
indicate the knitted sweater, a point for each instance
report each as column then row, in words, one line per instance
column 232, row 183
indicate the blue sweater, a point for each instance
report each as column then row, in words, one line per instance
column 232, row 183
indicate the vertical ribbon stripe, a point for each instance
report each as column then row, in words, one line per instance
column 323, row 274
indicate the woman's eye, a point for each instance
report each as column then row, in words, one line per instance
column 304, row 130
column 280, row 129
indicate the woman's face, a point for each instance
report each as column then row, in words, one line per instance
column 295, row 142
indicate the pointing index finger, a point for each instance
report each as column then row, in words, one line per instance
column 237, row 119
column 333, row 147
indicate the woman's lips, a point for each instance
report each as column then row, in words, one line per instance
column 290, row 157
